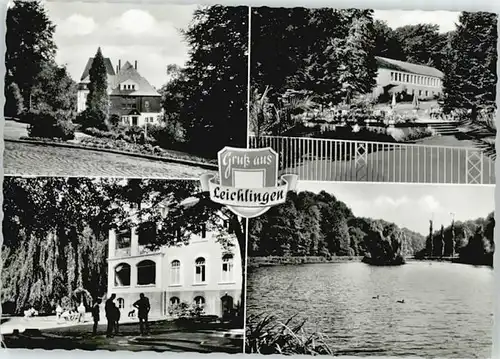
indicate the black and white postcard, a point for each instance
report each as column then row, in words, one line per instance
column 235, row 179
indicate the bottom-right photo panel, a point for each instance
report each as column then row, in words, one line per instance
column 373, row 269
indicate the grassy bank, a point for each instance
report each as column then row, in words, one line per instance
column 255, row 262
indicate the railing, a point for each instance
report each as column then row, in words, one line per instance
column 316, row 159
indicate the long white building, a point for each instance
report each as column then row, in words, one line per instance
column 398, row 76
column 202, row 272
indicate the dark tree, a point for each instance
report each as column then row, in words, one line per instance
column 98, row 98
column 386, row 42
column 29, row 44
column 54, row 90
column 211, row 95
column 419, row 43
column 471, row 70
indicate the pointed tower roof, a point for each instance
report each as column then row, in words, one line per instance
column 107, row 63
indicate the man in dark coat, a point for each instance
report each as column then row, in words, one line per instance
column 110, row 309
column 95, row 314
column 143, row 308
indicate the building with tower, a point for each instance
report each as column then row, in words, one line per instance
column 131, row 96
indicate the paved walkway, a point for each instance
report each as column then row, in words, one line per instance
column 164, row 335
column 46, row 160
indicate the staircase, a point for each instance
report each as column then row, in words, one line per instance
column 444, row 128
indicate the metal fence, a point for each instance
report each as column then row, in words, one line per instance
column 316, row 159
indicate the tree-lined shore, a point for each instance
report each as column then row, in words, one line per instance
column 319, row 225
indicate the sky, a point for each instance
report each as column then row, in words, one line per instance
column 411, row 205
column 148, row 33
column 396, row 18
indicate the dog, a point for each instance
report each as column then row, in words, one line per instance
column 131, row 314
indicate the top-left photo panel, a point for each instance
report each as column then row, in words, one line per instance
column 123, row 89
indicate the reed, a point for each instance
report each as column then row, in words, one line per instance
column 266, row 334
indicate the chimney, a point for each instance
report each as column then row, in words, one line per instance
column 135, row 65
column 119, row 65
column 117, row 68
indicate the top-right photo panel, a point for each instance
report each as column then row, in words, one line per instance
column 379, row 96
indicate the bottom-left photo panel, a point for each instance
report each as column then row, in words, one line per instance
column 120, row 264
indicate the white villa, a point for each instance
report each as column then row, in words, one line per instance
column 201, row 273
column 400, row 76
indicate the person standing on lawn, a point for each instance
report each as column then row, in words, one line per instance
column 81, row 313
column 143, row 308
column 110, row 309
column 95, row 315
column 117, row 319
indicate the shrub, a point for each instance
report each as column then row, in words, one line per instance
column 114, row 120
column 13, row 101
column 417, row 133
column 95, row 132
column 185, row 311
column 50, row 125
column 168, row 135
column 92, row 118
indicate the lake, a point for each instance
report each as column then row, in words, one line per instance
column 448, row 308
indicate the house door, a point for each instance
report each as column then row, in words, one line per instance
column 134, row 120
column 227, row 306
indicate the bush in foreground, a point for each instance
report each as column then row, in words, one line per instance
column 265, row 334
column 44, row 124
column 92, row 118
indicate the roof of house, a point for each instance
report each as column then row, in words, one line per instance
column 107, row 62
column 397, row 65
column 128, row 72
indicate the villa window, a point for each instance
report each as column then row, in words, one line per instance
column 227, row 268
column 146, row 272
column 426, row 93
column 146, row 233
column 175, row 272
column 175, row 301
column 123, row 238
column 121, row 303
column 122, row 275
column 420, row 92
column 392, row 76
column 200, row 270
column 199, row 301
